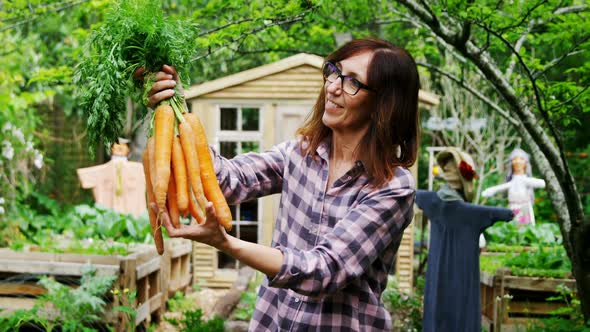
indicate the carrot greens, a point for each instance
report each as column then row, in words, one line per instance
column 135, row 33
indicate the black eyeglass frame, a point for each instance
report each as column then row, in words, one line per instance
column 342, row 77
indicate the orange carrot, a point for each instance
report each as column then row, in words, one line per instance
column 164, row 132
column 195, row 210
column 171, row 202
column 154, row 222
column 180, row 176
column 209, row 179
column 187, row 140
column 151, row 147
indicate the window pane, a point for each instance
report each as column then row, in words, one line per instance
column 232, row 208
column 249, row 233
column 250, row 147
column 228, row 149
column 225, row 261
column 250, row 119
column 249, row 211
column 229, row 118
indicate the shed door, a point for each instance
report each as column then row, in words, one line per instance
column 289, row 118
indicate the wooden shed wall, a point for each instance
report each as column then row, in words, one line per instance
column 303, row 82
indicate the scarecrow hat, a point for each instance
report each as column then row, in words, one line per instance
column 465, row 168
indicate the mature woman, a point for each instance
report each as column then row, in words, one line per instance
column 346, row 195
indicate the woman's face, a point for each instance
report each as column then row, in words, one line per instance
column 518, row 165
column 345, row 113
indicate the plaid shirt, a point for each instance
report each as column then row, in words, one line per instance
column 338, row 243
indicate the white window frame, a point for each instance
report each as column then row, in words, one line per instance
column 241, row 136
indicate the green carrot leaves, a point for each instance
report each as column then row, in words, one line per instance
column 135, row 34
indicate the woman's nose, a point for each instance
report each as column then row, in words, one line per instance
column 334, row 87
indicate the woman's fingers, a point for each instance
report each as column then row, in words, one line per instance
column 210, row 211
column 165, row 219
column 170, row 70
column 160, row 76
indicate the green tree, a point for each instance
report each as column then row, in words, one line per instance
column 534, row 56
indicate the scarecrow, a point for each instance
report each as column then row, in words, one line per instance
column 520, row 186
column 451, row 294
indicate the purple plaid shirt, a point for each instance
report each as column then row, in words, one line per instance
column 338, row 243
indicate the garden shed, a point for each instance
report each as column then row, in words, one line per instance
column 251, row 111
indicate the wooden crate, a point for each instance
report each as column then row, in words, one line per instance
column 176, row 264
column 138, row 271
column 510, row 302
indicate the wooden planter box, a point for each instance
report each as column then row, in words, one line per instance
column 138, row 271
column 176, row 265
column 508, row 302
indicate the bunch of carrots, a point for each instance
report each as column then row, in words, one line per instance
column 179, row 173
column 178, row 170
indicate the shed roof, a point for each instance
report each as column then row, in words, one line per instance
column 257, row 73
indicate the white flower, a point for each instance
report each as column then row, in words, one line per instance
column 1, row 210
column 18, row 133
column 29, row 147
column 38, row 159
column 1, row 200
column 7, row 126
column 7, row 150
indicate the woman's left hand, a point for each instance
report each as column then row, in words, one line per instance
column 210, row 232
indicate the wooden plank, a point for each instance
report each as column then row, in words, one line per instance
column 486, row 278
column 537, row 284
column 181, row 250
column 247, row 95
column 58, row 257
column 533, row 307
column 54, row 268
column 146, row 309
column 21, row 289
column 148, row 267
column 9, row 304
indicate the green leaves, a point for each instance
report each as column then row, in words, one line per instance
column 135, row 34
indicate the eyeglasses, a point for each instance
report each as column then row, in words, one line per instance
column 350, row 85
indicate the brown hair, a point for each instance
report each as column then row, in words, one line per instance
column 392, row 138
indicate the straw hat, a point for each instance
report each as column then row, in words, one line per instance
column 463, row 172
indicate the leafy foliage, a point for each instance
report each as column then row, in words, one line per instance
column 134, row 34
column 510, row 233
column 192, row 321
column 549, row 262
column 564, row 319
column 405, row 308
column 245, row 308
column 180, row 303
column 78, row 309
column 45, row 224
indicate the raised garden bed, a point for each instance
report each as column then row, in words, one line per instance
column 177, row 265
column 139, row 272
column 508, row 302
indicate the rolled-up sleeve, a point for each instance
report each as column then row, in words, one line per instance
column 372, row 229
column 251, row 175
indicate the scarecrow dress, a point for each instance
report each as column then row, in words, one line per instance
column 451, row 294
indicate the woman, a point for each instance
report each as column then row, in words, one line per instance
column 346, row 195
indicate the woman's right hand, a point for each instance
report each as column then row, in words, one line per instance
column 163, row 87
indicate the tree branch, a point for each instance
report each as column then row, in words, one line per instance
column 296, row 18
column 565, row 102
column 471, row 90
column 34, row 16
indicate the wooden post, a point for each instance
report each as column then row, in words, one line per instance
column 127, row 280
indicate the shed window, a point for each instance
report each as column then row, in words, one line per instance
column 239, row 132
